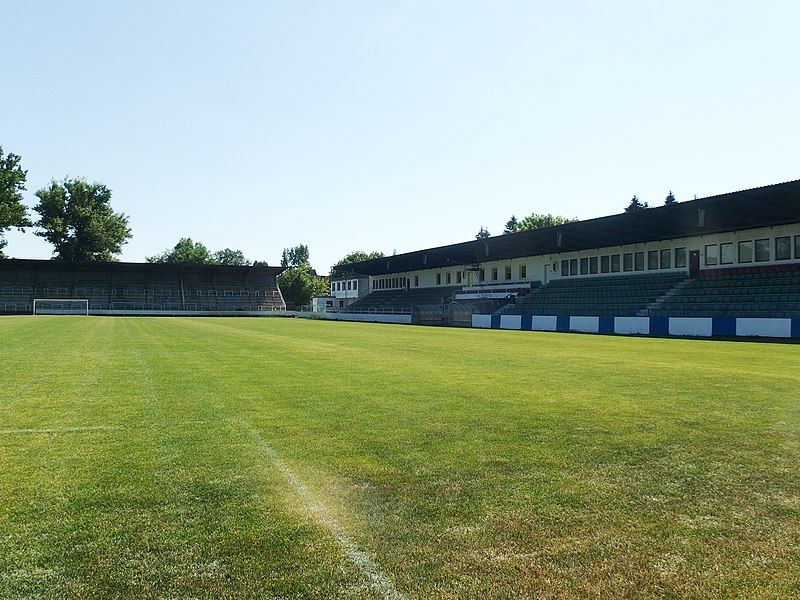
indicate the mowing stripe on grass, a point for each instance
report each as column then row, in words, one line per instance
column 63, row 429
column 88, row 428
column 368, row 567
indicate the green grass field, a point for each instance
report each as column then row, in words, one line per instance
column 257, row 458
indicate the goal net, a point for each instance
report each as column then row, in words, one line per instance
column 46, row 306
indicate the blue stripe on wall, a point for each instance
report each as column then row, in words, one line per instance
column 723, row 326
column 605, row 325
column 495, row 321
column 527, row 322
column 562, row 323
column 796, row 328
column 659, row 325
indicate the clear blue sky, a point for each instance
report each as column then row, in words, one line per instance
column 381, row 125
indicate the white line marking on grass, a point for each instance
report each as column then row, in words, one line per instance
column 368, row 567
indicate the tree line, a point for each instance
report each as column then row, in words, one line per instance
column 537, row 221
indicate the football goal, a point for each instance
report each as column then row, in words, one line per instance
column 49, row 306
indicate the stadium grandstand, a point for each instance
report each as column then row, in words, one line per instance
column 734, row 255
column 137, row 288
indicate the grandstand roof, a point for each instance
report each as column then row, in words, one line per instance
column 766, row 206
column 69, row 265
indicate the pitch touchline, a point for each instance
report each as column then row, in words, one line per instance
column 368, row 567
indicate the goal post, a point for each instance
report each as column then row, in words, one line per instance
column 60, row 306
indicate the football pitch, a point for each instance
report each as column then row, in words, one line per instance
column 259, row 458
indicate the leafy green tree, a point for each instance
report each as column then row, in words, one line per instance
column 636, row 204
column 186, row 251
column 12, row 183
column 511, row 225
column 76, row 217
column 670, row 199
column 295, row 256
column 298, row 285
column 230, row 257
column 341, row 268
column 482, row 234
column 535, row 221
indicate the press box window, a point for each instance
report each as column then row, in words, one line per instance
column 355, row 285
column 604, row 264
column 584, row 266
column 448, row 278
column 762, row 250
column 746, row 252
column 564, row 268
column 523, row 271
column 416, row 280
column 458, row 276
column 494, row 273
column 726, row 254
column 638, row 261
column 627, row 262
column 797, row 246
column 349, row 285
column 593, row 265
column 508, row 272
column 438, row 279
column 680, row 258
column 712, row 254
column 615, row 263
column 652, row 259
column 666, row 259
column 783, row 248
column 573, row 266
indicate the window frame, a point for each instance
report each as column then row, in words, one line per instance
column 652, row 260
column 584, row 265
column 594, row 265
column 523, row 271
column 764, row 243
column 668, row 253
column 508, row 273
column 573, row 267
column 616, row 263
column 723, row 247
column 715, row 259
column 605, row 263
column 744, row 244
column 638, row 261
column 788, row 240
column 627, row 262
column 684, row 255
